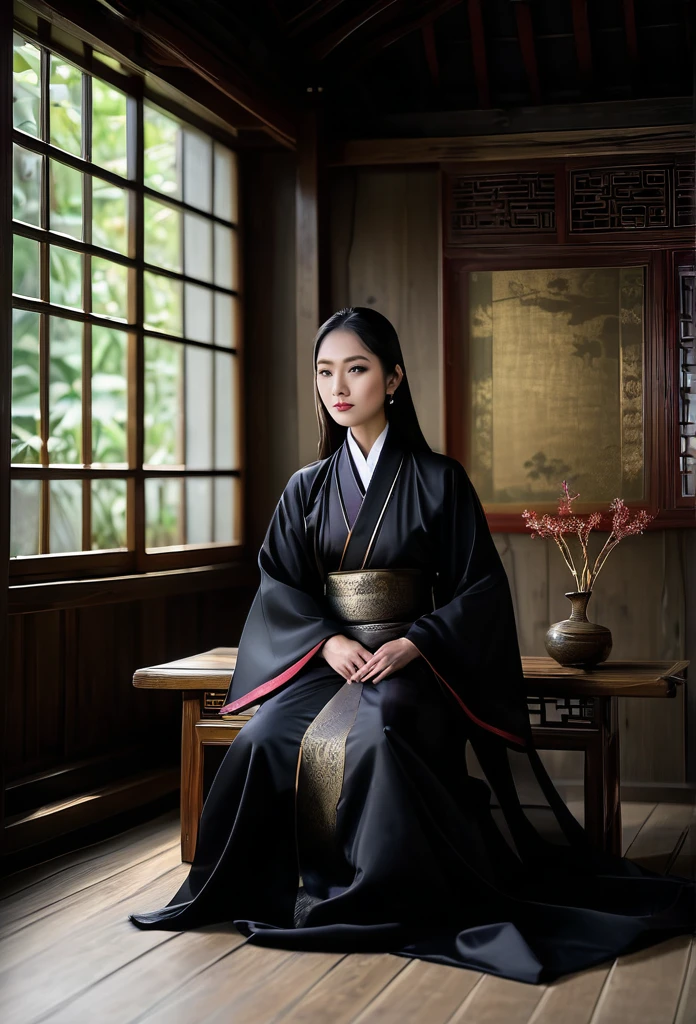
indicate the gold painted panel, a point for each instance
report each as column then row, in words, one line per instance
column 556, row 378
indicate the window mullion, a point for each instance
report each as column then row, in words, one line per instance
column 135, row 526
column 87, row 306
column 44, row 287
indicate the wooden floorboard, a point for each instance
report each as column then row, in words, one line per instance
column 342, row 994
column 439, row 987
column 66, row 923
column 149, row 978
column 239, row 985
column 645, row 986
column 166, row 828
column 44, row 898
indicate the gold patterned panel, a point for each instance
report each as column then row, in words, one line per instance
column 320, row 780
column 556, row 378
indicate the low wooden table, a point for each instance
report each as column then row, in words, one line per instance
column 570, row 709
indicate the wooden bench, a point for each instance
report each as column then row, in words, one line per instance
column 570, row 709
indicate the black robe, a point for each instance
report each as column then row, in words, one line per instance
column 422, row 865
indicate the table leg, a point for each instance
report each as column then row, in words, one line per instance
column 191, row 775
column 612, row 775
column 602, row 780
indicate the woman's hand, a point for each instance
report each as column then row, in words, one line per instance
column 387, row 659
column 344, row 655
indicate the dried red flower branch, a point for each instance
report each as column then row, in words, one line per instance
column 566, row 522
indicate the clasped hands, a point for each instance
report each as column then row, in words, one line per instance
column 356, row 664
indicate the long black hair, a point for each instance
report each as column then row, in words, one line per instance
column 378, row 335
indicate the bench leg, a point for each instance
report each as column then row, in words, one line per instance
column 191, row 775
column 602, row 780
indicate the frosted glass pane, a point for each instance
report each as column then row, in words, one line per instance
column 65, row 392
column 66, row 516
column 225, row 257
column 108, row 514
column 224, row 509
column 26, row 274
column 65, row 213
column 163, row 405
column 66, row 277
column 163, row 507
column 109, row 396
column 162, row 235
column 26, row 186
column 108, row 127
column 162, row 159
column 66, row 106
column 109, row 289
column 225, row 189
column 224, row 320
column 199, row 510
column 198, row 247
column 26, row 405
column 163, row 301
column 198, row 158
column 109, row 216
column 25, row 511
column 199, row 406
column 225, row 412
column 26, row 91
column 198, row 313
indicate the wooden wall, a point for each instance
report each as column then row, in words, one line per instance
column 386, row 252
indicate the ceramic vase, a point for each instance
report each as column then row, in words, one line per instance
column 577, row 641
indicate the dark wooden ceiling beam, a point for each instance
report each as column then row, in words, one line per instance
column 478, row 52
column 430, row 46
column 583, row 46
column 326, row 46
column 631, row 32
column 310, row 15
column 525, row 33
column 593, row 142
column 376, row 44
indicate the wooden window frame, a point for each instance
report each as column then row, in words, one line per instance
column 137, row 558
column 662, row 252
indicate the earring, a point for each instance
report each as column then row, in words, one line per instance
column 391, row 400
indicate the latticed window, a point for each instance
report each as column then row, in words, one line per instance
column 126, row 407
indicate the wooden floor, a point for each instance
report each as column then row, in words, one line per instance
column 69, row 954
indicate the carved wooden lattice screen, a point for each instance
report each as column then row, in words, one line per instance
column 687, row 383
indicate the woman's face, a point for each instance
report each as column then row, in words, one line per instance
column 349, row 374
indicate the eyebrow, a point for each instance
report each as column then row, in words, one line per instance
column 348, row 360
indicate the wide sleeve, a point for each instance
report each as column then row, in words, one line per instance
column 286, row 625
column 470, row 638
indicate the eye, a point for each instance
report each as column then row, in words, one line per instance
column 358, row 367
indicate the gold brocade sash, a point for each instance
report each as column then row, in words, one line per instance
column 374, row 606
column 320, row 768
column 377, row 605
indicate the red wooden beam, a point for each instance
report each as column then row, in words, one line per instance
column 478, row 50
column 525, row 32
column 581, row 30
column 631, row 33
column 428, row 33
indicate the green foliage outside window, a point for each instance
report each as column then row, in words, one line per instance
column 68, row 191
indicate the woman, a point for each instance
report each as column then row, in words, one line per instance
column 382, row 638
